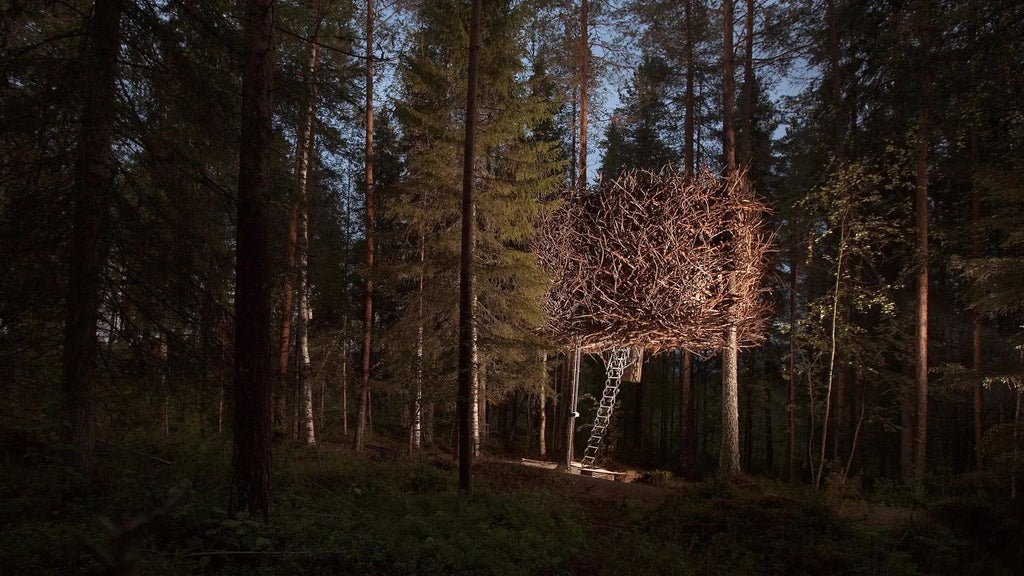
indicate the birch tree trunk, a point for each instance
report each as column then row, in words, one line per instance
column 303, row 155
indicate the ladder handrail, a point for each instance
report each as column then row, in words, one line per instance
column 618, row 361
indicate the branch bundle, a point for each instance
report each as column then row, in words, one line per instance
column 657, row 260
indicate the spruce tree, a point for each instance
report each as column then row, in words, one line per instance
column 516, row 168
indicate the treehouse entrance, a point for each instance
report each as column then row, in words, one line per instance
column 618, row 362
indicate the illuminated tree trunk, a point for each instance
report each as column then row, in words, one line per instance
column 364, row 387
column 690, row 101
column 474, row 400
column 921, row 353
column 303, row 155
column 467, row 316
column 542, row 400
column 253, row 357
column 688, row 425
column 416, row 435
column 584, row 89
column 93, row 176
column 729, row 454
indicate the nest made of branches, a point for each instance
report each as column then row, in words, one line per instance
column 657, row 260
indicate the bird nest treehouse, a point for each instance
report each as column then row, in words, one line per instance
column 652, row 261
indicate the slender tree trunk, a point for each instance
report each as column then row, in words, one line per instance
column 842, row 419
column 690, row 104
column 364, row 387
column 573, row 385
column 165, row 408
column 542, row 401
column 467, row 315
column 417, row 408
column 831, row 360
column 344, row 376
column 769, row 432
column 584, row 89
column 287, row 314
column 921, row 352
column 791, row 397
column 253, row 357
column 978, row 250
column 749, row 89
column 93, row 176
column 474, row 399
column 839, row 117
column 728, row 89
column 481, row 402
column 729, row 456
column 303, row 155
column 688, row 423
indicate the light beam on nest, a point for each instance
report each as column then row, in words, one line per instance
column 656, row 260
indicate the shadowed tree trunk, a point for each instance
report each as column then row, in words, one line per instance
column 688, row 426
column 253, row 347
column 467, row 320
column 978, row 250
column 93, row 176
column 791, row 397
column 364, row 386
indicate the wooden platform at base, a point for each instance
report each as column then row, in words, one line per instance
column 578, row 468
column 604, row 474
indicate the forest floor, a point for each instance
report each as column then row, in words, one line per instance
column 337, row 512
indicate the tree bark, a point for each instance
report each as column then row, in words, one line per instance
column 467, row 314
column 839, row 117
column 287, row 314
column 728, row 89
column 690, row 104
column 303, row 155
column 749, row 91
column 253, row 356
column 688, row 423
column 729, row 456
column 584, row 89
column 474, row 398
column 417, row 407
column 573, row 374
column 364, row 386
column 542, row 400
column 93, row 178
column 791, row 397
column 978, row 251
column 921, row 352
